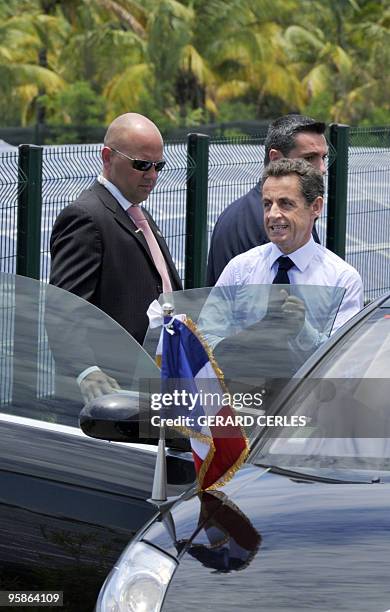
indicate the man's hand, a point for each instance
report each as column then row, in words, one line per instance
column 293, row 310
column 96, row 384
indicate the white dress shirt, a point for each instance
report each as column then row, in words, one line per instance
column 114, row 192
column 313, row 265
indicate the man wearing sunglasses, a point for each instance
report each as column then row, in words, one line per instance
column 105, row 247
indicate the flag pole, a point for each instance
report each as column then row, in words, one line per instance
column 159, row 490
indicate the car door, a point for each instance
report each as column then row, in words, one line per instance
column 68, row 504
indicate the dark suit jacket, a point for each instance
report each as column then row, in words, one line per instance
column 239, row 227
column 98, row 255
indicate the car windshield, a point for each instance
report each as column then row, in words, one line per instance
column 344, row 407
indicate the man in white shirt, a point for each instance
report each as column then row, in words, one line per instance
column 292, row 193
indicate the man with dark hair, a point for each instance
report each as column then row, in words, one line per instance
column 240, row 226
column 284, row 135
column 292, row 195
column 310, row 180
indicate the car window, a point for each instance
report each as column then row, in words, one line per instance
column 48, row 338
column 344, row 404
column 254, row 341
column 363, row 353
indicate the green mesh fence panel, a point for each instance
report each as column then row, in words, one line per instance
column 235, row 167
column 8, row 219
column 66, row 172
column 9, row 190
column 368, row 217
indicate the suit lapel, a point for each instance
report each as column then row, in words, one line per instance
column 121, row 216
column 123, row 219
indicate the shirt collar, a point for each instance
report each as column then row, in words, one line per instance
column 301, row 257
column 115, row 192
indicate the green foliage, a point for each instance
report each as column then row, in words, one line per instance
column 183, row 62
column 377, row 116
column 319, row 106
column 10, row 109
column 169, row 32
column 76, row 105
column 236, row 111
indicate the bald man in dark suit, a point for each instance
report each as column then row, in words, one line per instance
column 107, row 249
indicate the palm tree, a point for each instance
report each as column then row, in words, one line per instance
column 245, row 48
column 369, row 94
column 167, row 80
column 339, row 55
column 21, row 73
column 46, row 43
column 178, row 60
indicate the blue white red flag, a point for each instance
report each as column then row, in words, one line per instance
column 188, row 367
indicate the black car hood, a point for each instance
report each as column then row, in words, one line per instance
column 267, row 543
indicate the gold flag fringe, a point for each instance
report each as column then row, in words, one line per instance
column 230, row 473
column 201, row 437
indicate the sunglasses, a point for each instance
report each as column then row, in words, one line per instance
column 142, row 164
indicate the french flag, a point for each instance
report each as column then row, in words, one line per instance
column 188, row 370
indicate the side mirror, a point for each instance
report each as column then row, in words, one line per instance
column 113, row 417
column 116, row 417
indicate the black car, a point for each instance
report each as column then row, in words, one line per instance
column 305, row 523
column 76, row 515
column 69, row 504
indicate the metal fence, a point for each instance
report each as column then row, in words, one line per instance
column 66, row 172
column 202, row 177
column 11, row 184
column 368, row 213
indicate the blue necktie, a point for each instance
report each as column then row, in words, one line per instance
column 281, row 277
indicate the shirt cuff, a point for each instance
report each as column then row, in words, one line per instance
column 308, row 338
column 85, row 373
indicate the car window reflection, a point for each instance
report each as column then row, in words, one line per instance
column 50, row 336
column 252, row 341
column 345, row 405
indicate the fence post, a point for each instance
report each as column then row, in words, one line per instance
column 196, row 215
column 337, row 190
column 28, row 243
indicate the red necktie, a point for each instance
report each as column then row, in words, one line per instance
column 137, row 215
